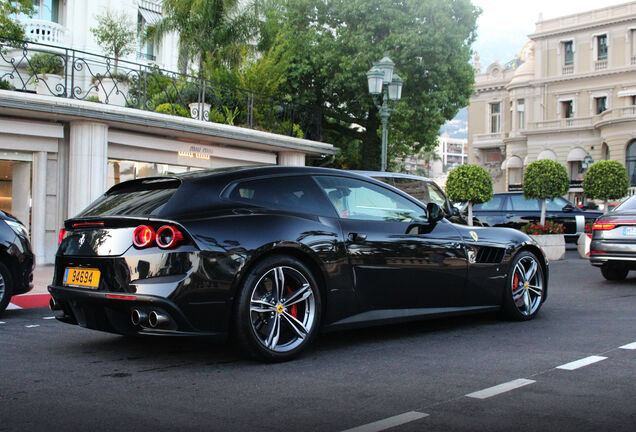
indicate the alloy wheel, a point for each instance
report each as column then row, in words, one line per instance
column 527, row 285
column 3, row 288
column 282, row 309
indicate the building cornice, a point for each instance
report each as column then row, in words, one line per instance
column 33, row 105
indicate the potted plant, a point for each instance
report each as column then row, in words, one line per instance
column 549, row 236
column 48, row 69
column 115, row 34
column 606, row 180
column 469, row 183
column 545, row 179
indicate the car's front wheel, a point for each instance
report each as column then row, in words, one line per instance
column 614, row 272
column 6, row 287
column 278, row 309
column 525, row 287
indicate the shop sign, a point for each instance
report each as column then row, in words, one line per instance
column 196, row 152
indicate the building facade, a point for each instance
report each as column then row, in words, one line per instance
column 67, row 136
column 448, row 154
column 570, row 96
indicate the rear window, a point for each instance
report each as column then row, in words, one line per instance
column 136, row 199
column 629, row 204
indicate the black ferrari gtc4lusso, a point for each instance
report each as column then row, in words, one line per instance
column 273, row 255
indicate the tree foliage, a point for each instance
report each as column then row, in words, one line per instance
column 208, row 28
column 332, row 44
column 9, row 27
column 469, row 183
column 545, row 179
column 115, row 34
column 606, row 180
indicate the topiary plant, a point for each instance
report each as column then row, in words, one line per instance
column 469, row 183
column 173, row 109
column 606, row 180
column 545, row 179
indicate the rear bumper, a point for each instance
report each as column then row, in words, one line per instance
column 603, row 251
column 111, row 312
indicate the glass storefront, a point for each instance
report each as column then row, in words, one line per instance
column 123, row 170
column 15, row 185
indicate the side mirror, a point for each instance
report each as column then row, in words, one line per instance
column 435, row 212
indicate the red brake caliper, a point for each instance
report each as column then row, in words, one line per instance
column 293, row 310
column 515, row 281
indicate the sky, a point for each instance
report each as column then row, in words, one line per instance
column 504, row 25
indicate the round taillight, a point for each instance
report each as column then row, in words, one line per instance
column 143, row 236
column 168, row 236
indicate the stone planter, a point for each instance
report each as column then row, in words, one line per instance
column 553, row 245
column 49, row 85
column 583, row 245
column 197, row 109
column 110, row 94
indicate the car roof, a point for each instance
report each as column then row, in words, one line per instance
column 389, row 174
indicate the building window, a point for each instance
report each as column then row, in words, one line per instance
column 632, row 44
column 630, row 161
column 521, row 113
column 600, row 104
column 46, row 10
column 601, row 47
column 567, row 109
column 495, row 117
column 568, row 53
column 145, row 48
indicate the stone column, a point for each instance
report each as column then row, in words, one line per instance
column 21, row 191
column 88, row 160
column 38, row 206
column 291, row 158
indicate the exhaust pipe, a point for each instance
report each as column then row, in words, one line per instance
column 138, row 317
column 157, row 319
column 53, row 305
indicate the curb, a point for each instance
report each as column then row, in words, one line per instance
column 28, row 301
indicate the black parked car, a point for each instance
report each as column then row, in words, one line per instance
column 278, row 253
column 423, row 189
column 512, row 210
column 613, row 246
column 16, row 259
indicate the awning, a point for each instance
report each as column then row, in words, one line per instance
column 576, row 154
column 547, row 154
column 150, row 17
column 515, row 162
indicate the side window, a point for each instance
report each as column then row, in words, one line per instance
column 436, row 196
column 555, row 204
column 293, row 193
column 493, row 204
column 518, row 202
column 357, row 199
column 416, row 188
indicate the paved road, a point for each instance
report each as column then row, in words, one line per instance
column 414, row 376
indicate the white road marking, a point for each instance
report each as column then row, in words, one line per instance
column 631, row 346
column 580, row 363
column 501, row 388
column 390, row 422
column 48, row 318
column 2, row 322
column 33, row 325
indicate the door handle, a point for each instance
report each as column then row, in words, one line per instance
column 357, row 236
column 509, row 216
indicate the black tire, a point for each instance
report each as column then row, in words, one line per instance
column 251, row 337
column 614, row 272
column 514, row 307
column 7, row 292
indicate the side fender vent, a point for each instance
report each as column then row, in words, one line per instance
column 490, row 255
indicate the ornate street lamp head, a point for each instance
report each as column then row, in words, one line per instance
column 375, row 77
column 395, row 88
column 386, row 65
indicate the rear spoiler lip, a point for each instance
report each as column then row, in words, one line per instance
column 130, row 184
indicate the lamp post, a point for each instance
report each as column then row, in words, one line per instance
column 382, row 81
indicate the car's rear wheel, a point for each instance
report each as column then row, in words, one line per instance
column 6, row 287
column 614, row 272
column 278, row 309
column 525, row 287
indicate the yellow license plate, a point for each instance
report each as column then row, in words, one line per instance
column 81, row 277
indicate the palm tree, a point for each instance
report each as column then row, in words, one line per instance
column 207, row 28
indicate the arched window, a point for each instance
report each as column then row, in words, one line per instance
column 630, row 161
column 605, row 154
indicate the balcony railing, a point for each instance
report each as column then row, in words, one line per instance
column 45, row 32
column 562, row 123
column 67, row 73
column 568, row 70
column 600, row 65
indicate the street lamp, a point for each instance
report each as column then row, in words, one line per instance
column 382, row 81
